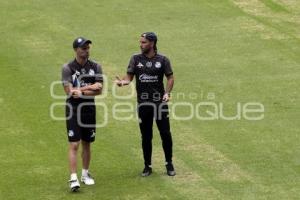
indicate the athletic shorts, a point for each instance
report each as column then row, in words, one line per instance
column 81, row 125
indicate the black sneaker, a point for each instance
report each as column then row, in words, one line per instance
column 170, row 169
column 147, row 171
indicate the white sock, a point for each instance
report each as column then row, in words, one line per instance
column 85, row 172
column 73, row 176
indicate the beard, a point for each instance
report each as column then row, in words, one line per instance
column 85, row 56
column 145, row 51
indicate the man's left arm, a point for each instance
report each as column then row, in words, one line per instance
column 170, row 79
column 92, row 90
column 96, row 88
column 169, row 87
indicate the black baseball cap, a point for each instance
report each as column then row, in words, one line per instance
column 80, row 41
column 151, row 36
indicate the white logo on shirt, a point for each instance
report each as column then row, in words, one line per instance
column 149, row 64
column 75, row 80
column 140, row 65
column 158, row 65
column 91, row 72
column 148, row 78
column 74, row 77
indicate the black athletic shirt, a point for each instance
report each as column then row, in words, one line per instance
column 80, row 76
column 149, row 74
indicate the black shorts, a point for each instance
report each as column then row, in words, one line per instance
column 81, row 125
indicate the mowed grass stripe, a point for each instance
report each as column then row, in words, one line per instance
column 188, row 183
column 223, row 173
column 269, row 23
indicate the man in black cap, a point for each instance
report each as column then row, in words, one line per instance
column 149, row 68
column 82, row 80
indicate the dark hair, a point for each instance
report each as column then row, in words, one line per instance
column 152, row 37
column 155, row 47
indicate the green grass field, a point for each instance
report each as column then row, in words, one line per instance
column 238, row 50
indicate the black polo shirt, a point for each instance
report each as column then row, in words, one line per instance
column 149, row 74
column 80, row 76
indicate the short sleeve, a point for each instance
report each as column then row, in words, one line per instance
column 131, row 66
column 99, row 74
column 167, row 67
column 66, row 75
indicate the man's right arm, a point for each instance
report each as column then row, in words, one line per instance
column 130, row 74
column 67, row 79
column 68, row 88
column 67, row 83
column 125, row 80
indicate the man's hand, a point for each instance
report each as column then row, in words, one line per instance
column 125, row 81
column 76, row 93
column 166, row 97
column 118, row 81
column 96, row 86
